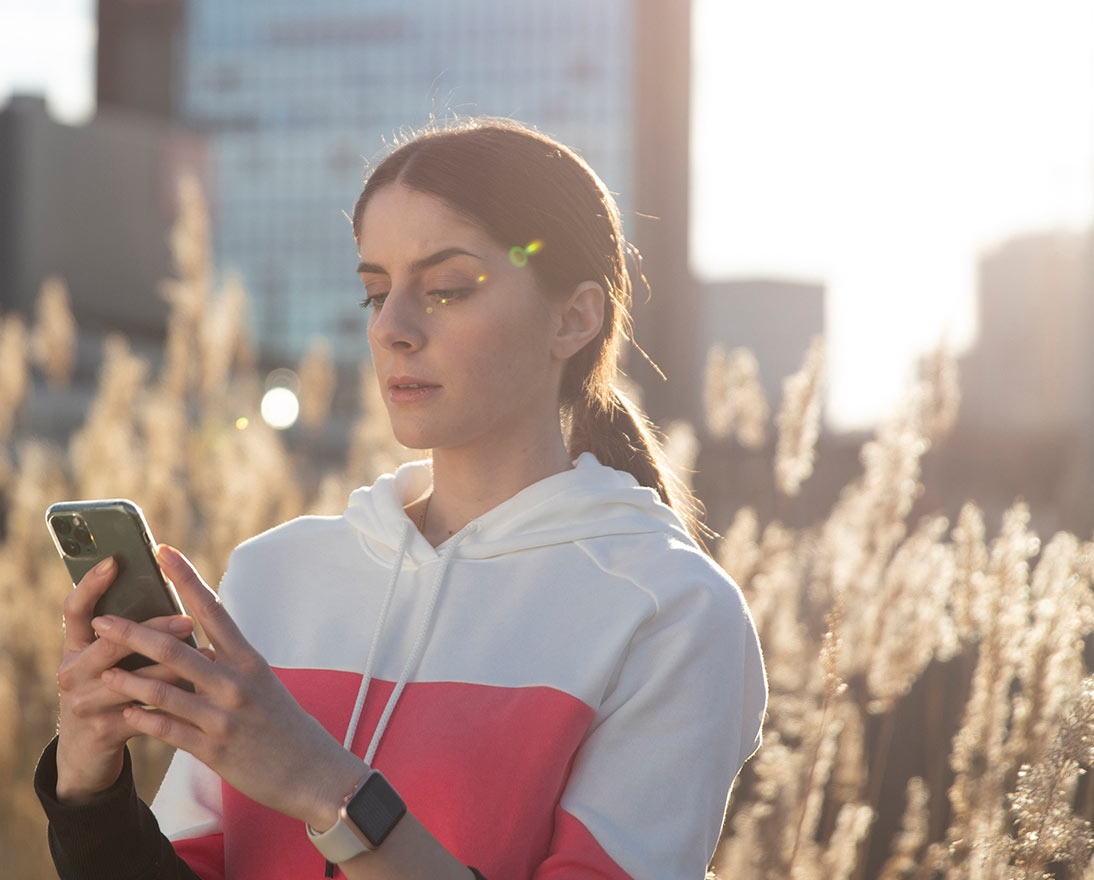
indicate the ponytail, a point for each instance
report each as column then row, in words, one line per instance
column 619, row 434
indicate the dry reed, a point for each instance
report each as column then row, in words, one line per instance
column 857, row 612
column 798, row 421
column 734, row 399
column 53, row 340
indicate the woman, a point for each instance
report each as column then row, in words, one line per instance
column 521, row 635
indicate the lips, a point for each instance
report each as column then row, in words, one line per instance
column 410, row 390
column 409, row 382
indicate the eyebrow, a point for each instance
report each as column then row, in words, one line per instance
column 419, row 265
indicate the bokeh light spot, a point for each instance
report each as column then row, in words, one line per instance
column 242, row 422
column 280, row 408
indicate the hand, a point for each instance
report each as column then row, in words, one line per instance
column 92, row 730
column 240, row 721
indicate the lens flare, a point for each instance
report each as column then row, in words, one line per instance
column 518, row 255
column 242, row 422
column 481, row 279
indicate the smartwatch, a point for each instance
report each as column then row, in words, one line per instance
column 366, row 817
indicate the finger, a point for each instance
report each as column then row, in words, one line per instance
column 178, row 625
column 193, row 711
column 136, row 638
column 174, row 731
column 181, row 626
column 218, row 625
column 79, row 605
column 157, row 671
column 95, row 698
column 104, row 653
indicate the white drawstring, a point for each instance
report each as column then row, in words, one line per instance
column 419, row 644
column 361, row 691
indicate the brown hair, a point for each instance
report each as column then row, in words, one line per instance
column 522, row 187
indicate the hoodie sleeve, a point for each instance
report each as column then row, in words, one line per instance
column 114, row 835
column 649, row 786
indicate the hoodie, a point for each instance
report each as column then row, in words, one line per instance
column 565, row 688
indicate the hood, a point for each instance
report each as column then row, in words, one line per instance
column 588, row 501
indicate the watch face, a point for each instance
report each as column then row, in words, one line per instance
column 375, row 809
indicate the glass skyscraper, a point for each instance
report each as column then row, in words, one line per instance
column 296, row 97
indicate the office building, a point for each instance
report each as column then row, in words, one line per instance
column 776, row 320
column 93, row 204
column 1026, row 424
column 294, row 98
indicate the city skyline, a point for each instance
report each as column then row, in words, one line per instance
column 291, row 102
column 1008, row 142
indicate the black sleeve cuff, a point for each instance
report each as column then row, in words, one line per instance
column 113, row 836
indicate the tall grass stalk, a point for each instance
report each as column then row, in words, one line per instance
column 864, row 616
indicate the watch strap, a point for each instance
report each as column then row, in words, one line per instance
column 339, row 843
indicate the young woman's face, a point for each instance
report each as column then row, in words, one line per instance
column 460, row 334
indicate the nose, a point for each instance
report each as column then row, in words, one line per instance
column 398, row 324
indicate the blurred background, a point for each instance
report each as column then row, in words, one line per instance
column 911, row 182
column 891, row 176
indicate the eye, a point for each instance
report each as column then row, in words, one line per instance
column 448, row 295
column 375, row 301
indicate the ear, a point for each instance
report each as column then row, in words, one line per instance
column 580, row 317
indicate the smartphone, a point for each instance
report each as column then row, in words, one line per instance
column 86, row 532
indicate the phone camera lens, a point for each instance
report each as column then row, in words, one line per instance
column 62, row 525
column 81, row 534
column 70, row 547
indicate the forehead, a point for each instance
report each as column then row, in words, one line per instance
column 399, row 221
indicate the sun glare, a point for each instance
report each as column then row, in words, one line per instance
column 876, row 148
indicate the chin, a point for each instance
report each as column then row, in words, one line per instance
column 434, row 437
column 422, row 437
column 412, row 440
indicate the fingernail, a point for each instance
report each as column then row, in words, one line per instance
column 167, row 555
column 102, row 624
column 109, row 675
column 105, row 566
column 181, row 625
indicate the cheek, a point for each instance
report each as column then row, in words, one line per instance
column 504, row 362
column 508, row 348
column 376, row 351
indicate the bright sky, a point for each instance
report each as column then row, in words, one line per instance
column 872, row 146
column 875, row 147
column 48, row 46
